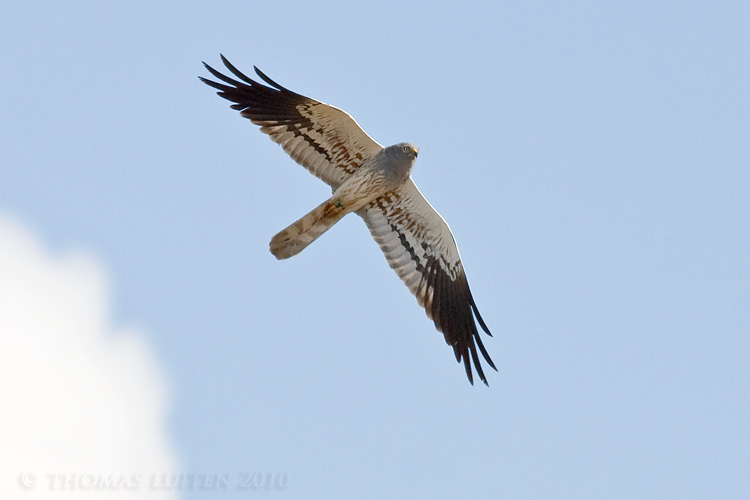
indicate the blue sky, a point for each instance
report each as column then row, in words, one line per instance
column 592, row 161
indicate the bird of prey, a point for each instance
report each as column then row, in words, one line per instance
column 375, row 183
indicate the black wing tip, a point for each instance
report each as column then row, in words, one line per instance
column 210, row 70
column 475, row 309
column 270, row 82
column 457, row 318
column 235, row 72
column 477, row 367
column 245, row 80
column 462, row 356
column 212, row 83
column 462, row 350
column 476, row 339
column 228, row 83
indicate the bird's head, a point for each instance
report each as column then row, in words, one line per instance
column 408, row 149
column 399, row 160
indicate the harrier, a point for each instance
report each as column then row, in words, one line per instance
column 375, row 183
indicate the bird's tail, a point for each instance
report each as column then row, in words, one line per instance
column 298, row 235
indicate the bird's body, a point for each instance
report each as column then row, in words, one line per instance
column 382, row 173
column 374, row 182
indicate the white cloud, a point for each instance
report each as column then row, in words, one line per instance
column 82, row 402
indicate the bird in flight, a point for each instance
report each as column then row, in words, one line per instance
column 375, row 183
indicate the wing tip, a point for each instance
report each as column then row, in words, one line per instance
column 270, row 82
column 462, row 356
column 462, row 327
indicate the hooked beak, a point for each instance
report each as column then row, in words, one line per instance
column 416, row 152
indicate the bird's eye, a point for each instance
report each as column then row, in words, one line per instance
column 407, row 149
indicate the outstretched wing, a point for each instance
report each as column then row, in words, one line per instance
column 419, row 246
column 323, row 139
